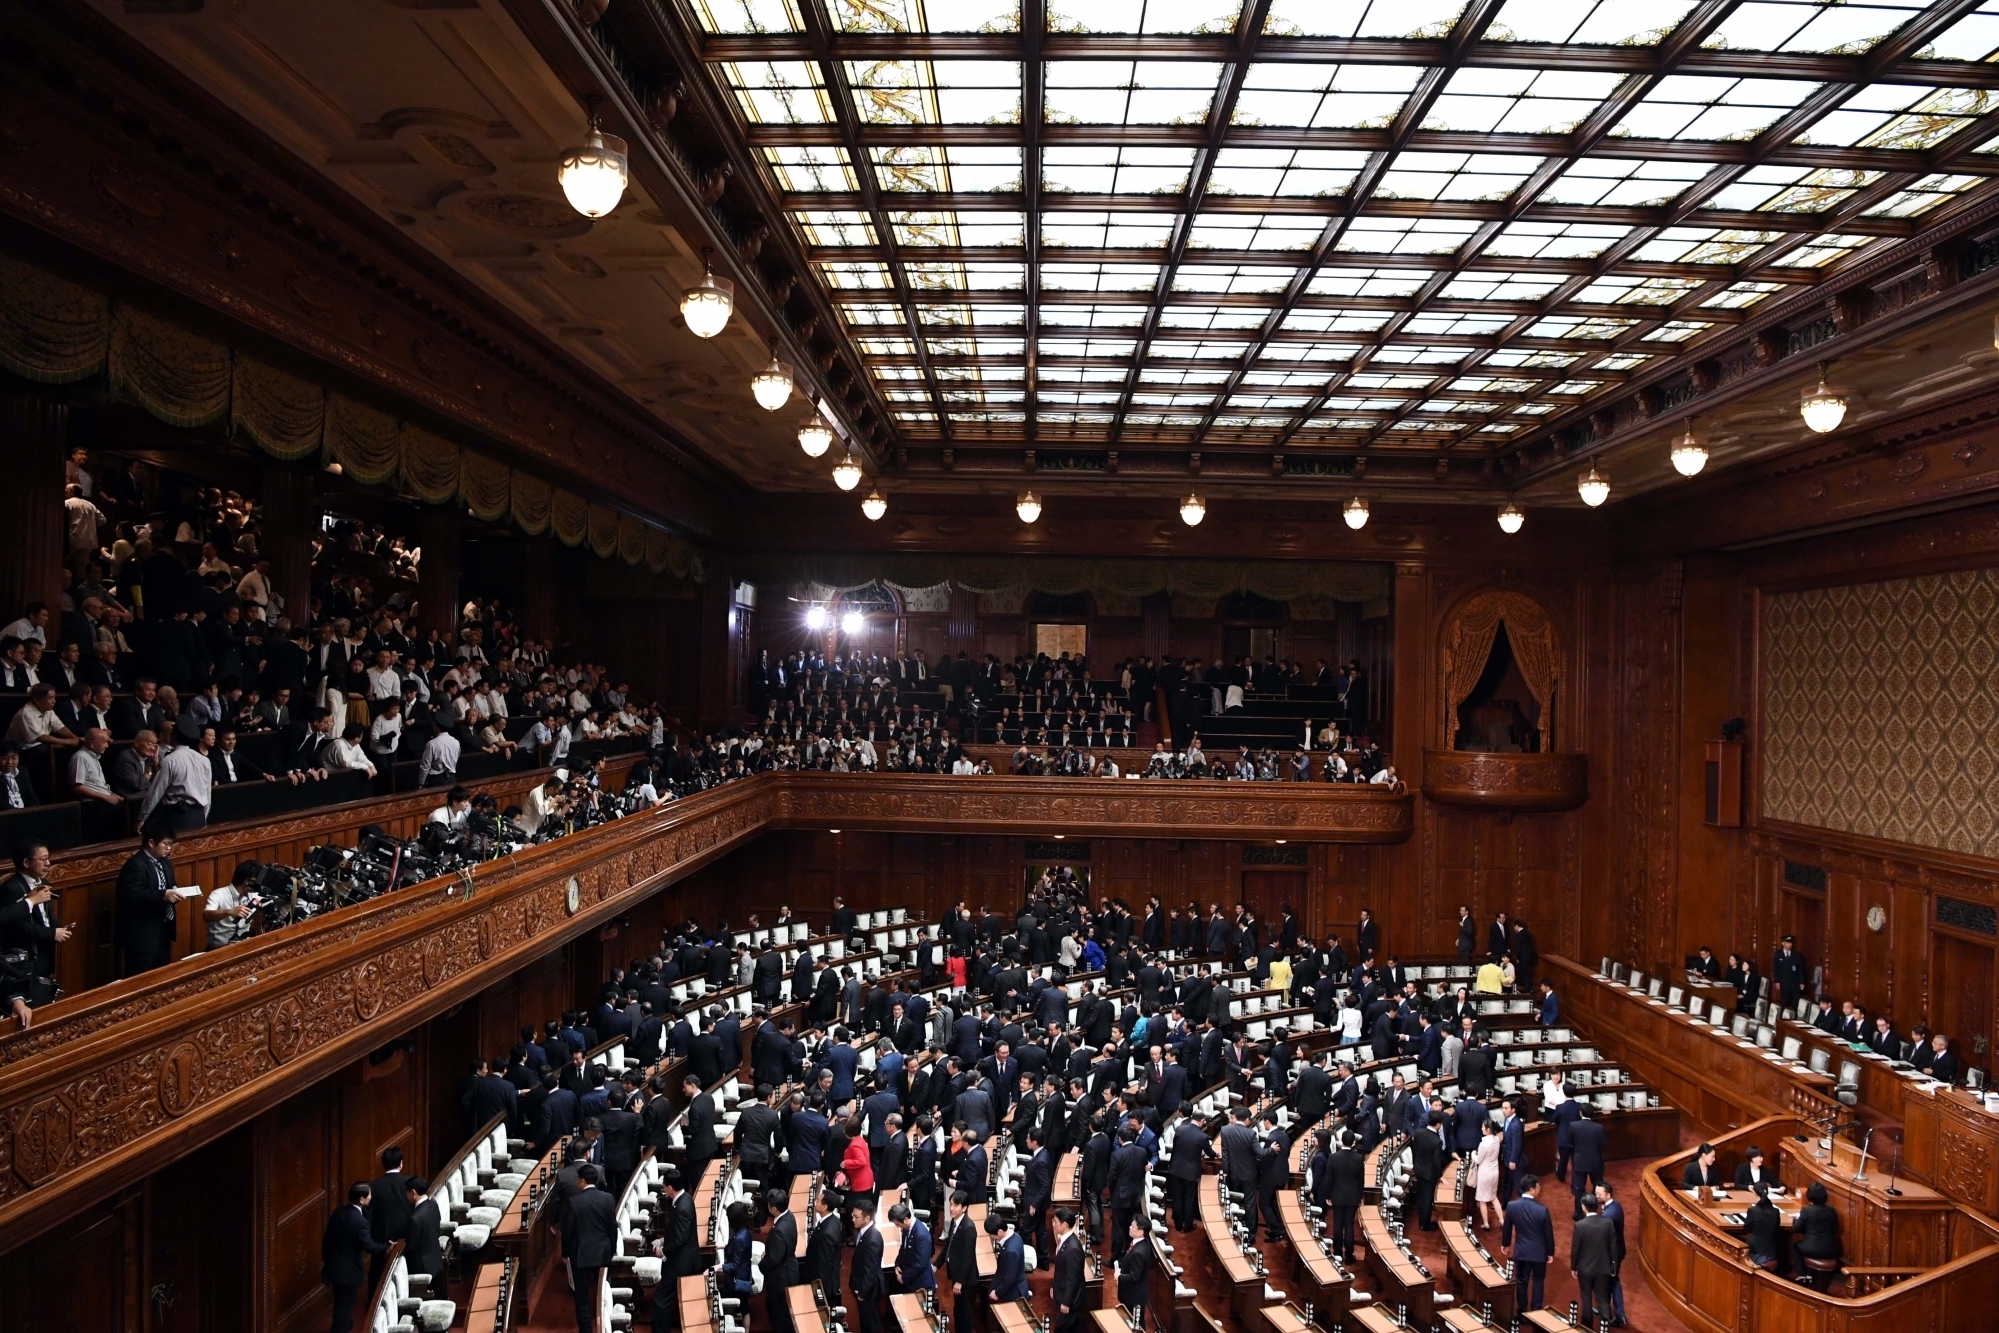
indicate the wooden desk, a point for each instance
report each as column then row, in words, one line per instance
column 1910, row 1229
column 1243, row 1285
column 1320, row 1279
column 1376, row 1319
column 1114, row 1320
column 807, row 1316
column 1009, row 1317
column 697, row 1311
column 1698, row 1267
column 910, row 1316
column 1951, row 1141
column 1476, row 1277
column 1286, row 1317
column 1400, row 1281
column 1716, row 1082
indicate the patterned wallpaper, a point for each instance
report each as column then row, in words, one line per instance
column 1881, row 709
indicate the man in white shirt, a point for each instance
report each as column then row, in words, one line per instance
column 182, row 790
column 1385, row 778
column 385, row 733
column 86, row 768
column 225, row 912
column 38, row 723
column 32, row 625
column 383, row 682
column 80, row 521
column 452, row 814
column 438, row 766
column 254, row 588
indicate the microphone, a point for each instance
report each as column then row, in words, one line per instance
column 1891, row 1191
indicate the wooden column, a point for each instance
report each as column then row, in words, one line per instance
column 1156, row 630
column 34, row 431
column 961, row 631
column 1404, row 694
column 291, row 517
column 721, row 646
column 538, row 580
column 437, row 575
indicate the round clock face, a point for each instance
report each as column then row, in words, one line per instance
column 575, row 895
column 1876, row 918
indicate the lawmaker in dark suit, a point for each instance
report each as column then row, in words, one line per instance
column 1593, row 1259
column 1587, row 1143
column 780, row 1262
column 589, row 1242
column 961, row 1263
column 822, row 1251
column 389, row 1215
column 424, row 1251
column 346, row 1242
column 1134, row 1268
column 865, row 1277
column 679, row 1253
column 1346, row 1180
column 144, row 924
column 1067, row 1289
column 1763, row 1231
column 1755, row 1173
column 1528, row 1234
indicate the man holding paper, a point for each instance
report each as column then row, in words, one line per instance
column 146, row 897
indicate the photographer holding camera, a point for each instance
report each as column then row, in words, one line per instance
column 28, row 930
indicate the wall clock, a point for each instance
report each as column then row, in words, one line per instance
column 1876, row 918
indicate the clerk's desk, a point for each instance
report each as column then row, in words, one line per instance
column 1909, row 1229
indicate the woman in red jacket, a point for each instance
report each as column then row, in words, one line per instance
column 857, row 1169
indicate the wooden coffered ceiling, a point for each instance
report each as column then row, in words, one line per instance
column 1444, row 250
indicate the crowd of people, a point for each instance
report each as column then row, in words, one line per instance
column 173, row 642
column 983, row 1041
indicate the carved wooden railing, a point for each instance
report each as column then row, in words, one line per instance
column 109, row 1085
column 1506, row 783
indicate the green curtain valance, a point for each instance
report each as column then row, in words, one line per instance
column 54, row 331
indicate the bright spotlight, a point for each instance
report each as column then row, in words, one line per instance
column 815, row 617
column 852, row 622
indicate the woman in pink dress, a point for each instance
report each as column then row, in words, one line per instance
column 1485, row 1177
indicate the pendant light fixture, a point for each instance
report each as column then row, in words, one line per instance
column 1823, row 409
column 1355, row 513
column 1689, row 456
column 1511, row 518
column 847, row 474
column 815, row 437
column 772, row 384
column 874, row 506
column 706, row 305
column 593, row 177
column 1192, row 511
column 1028, row 506
column 1593, row 486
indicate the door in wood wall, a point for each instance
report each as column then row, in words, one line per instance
column 1961, row 1006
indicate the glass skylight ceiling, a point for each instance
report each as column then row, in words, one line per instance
column 1152, row 223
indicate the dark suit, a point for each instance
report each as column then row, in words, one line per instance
column 1530, row 1232
column 1586, row 1149
column 780, row 1270
column 865, row 1279
column 822, row 1256
column 1593, row 1259
column 1134, row 1273
column 346, row 1240
column 145, row 915
column 1067, row 1289
column 1127, row 1182
column 423, row 1250
column 589, row 1242
column 961, row 1266
column 680, row 1256
column 389, row 1213
column 1346, row 1184
column 1694, row 1177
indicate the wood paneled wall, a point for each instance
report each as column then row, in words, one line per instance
column 1680, row 642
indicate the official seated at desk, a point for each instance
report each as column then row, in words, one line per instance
column 1815, row 1237
column 1755, row 1173
column 1703, row 1170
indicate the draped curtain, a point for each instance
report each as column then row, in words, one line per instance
column 54, row 331
column 1467, row 644
column 51, row 331
column 1200, row 580
column 281, row 414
